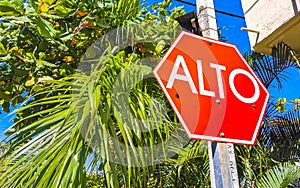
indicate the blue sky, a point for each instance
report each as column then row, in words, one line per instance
column 4, row 123
column 231, row 26
column 231, row 29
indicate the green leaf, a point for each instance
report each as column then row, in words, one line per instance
column 34, row 4
column 5, row 58
column 17, row 19
column 280, row 105
column 8, row 9
column 145, row 69
column 37, row 88
column 5, row 106
column 50, row 2
column 46, row 15
column 63, row 47
column 20, row 72
column 19, row 5
column 30, row 82
column 62, row 10
column 46, row 63
column 2, row 49
column 45, row 28
column 4, row 96
column 160, row 46
column 14, row 102
column 92, row 52
column 296, row 101
column 13, row 49
column 103, row 23
column 66, row 36
column 279, row 176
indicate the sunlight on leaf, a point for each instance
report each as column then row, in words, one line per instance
column 30, row 82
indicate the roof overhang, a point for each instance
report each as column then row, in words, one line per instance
column 289, row 33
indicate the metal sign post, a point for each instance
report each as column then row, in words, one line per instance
column 223, row 170
column 210, row 113
column 222, row 165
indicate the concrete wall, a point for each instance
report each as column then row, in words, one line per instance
column 265, row 16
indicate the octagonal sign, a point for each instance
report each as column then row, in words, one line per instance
column 212, row 89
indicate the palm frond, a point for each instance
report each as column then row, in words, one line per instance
column 108, row 111
column 272, row 68
column 194, row 161
column 271, row 109
column 281, row 134
column 252, row 162
column 280, row 176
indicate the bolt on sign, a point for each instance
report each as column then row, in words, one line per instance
column 212, row 89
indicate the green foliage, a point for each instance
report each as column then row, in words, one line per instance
column 76, row 116
column 280, row 105
column 280, row 176
column 282, row 136
column 296, row 103
column 94, row 180
column 47, row 38
column 3, row 147
column 279, row 137
column 192, row 166
column 252, row 162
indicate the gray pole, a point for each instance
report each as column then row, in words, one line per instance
column 223, row 171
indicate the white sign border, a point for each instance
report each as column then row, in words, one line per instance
column 203, row 137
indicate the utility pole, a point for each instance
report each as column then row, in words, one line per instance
column 223, row 170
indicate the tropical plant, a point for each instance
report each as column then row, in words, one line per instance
column 191, row 167
column 280, row 131
column 282, row 136
column 101, row 119
column 3, row 147
column 91, row 113
column 45, row 39
column 278, row 140
column 280, row 176
column 253, row 161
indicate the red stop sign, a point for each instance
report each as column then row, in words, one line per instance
column 214, row 92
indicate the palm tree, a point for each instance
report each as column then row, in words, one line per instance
column 103, row 119
column 281, row 176
column 280, row 131
column 3, row 147
column 278, row 140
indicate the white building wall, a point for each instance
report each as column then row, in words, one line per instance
column 265, row 16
